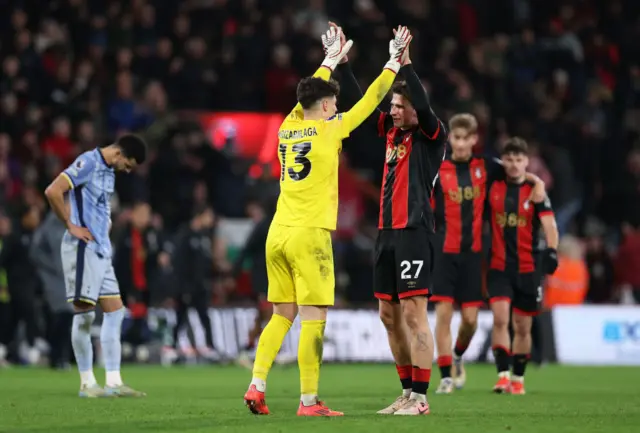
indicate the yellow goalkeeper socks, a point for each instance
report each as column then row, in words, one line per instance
column 310, row 357
column 269, row 346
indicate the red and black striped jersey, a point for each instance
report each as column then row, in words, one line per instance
column 413, row 155
column 412, row 161
column 515, row 225
column 459, row 199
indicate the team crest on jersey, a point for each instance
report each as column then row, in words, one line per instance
column 526, row 205
column 478, row 173
column 73, row 170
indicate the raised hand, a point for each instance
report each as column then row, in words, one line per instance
column 397, row 47
column 343, row 39
column 334, row 49
column 405, row 59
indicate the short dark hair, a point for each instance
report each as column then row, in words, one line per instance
column 515, row 145
column 132, row 146
column 311, row 90
column 401, row 88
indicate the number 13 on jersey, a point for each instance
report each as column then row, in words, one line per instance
column 300, row 167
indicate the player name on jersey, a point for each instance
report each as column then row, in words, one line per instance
column 287, row 134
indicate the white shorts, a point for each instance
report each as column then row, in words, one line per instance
column 88, row 276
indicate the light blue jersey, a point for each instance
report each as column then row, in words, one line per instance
column 92, row 183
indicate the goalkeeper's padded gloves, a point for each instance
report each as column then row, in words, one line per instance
column 333, row 48
column 397, row 46
column 549, row 261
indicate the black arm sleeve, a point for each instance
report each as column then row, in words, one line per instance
column 495, row 170
column 427, row 120
column 350, row 94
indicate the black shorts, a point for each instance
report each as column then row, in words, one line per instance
column 523, row 290
column 403, row 264
column 457, row 278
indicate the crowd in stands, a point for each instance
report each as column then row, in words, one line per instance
column 563, row 74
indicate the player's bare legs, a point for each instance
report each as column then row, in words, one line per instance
column 398, row 335
column 501, row 343
column 467, row 330
column 521, row 350
column 268, row 347
column 110, row 334
column 313, row 320
column 414, row 310
column 444, row 313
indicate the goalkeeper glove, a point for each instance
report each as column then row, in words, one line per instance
column 549, row 261
column 397, row 46
column 333, row 48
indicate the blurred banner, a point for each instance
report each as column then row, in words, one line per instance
column 597, row 335
column 350, row 336
column 252, row 136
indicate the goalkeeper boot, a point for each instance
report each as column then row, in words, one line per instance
column 254, row 400
column 318, row 409
column 393, row 407
column 459, row 373
column 123, row 391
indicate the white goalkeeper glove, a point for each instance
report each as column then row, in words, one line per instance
column 397, row 46
column 334, row 50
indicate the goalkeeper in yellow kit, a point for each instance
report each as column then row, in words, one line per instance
column 298, row 250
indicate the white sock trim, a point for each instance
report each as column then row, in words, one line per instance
column 113, row 378
column 261, row 385
column 421, row 398
column 87, row 378
column 308, row 399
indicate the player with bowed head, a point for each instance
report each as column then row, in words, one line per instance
column 404, row 253
column 86, row 257
column 299, row 254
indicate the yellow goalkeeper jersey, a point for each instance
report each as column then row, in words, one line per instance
column 309, row 152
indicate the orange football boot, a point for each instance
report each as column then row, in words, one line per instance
column 254, row 400
column 503, row 386
column 517, row 387
column 318, row 409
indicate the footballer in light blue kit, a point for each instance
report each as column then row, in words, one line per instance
column 89, row 183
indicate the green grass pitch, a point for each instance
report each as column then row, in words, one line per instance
column 209, row 399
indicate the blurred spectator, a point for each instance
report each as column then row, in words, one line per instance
column 138, row 257
column 76, row 74
column 196, row 251
column 45, row 255
column 569, row 283
column 59, row 144
column 627, row 261
column 23, row 283
column 601, row 270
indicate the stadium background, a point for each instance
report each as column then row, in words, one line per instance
column 206, row 82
